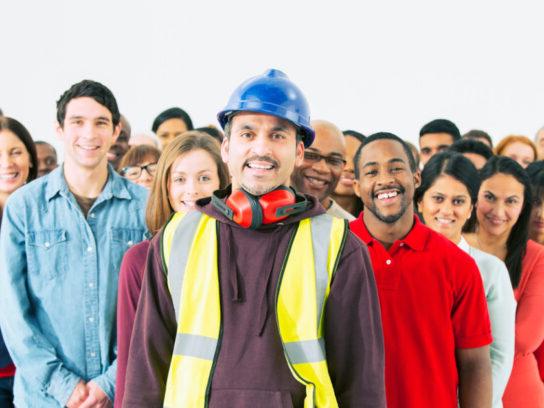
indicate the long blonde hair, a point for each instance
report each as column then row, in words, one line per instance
column 159, row 209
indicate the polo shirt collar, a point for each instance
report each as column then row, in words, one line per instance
column 416, row 238
column 115, row 186
column 463, row 244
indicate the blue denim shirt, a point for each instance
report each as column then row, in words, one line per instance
column 58, row 274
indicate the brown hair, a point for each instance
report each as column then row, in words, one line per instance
column 18, row 129
column 138, row 154
column 514, row 138
column 159, row 209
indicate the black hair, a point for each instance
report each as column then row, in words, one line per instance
column 17, row 128
column 172, row 113
column 383, row 136
column 441, row 126
column 213, row 132
column 516, row 245
column 92, row 89
column 472, row 146
column 535, row 170
column 478, row 134
column 457, row 166
column 353, row 133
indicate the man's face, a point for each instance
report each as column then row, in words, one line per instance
column 261, row 152
column 540, row 144
column 121, row 146
column 87, row 133
column 386, row 183
column 47, row 159
column 169, row 130
column 318, row 176
column 345, row 185
column 432, row 143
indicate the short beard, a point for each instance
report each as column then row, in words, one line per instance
column 258, row 191
column 388, row 219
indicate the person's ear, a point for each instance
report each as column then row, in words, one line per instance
column 417, row 178
column 225, row 146
column 299, row 154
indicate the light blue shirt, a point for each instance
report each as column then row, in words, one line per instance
column 501, row 305
column 58, row 274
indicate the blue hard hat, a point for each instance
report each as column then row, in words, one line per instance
column 273, row 94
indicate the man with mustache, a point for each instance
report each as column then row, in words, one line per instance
column 434, row 313
column 318, row 174
column 258, row 298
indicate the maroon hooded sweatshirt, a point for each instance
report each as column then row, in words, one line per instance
column 251, row 370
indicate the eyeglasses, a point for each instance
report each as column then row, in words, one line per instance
column 332, row 161
column 134, row 172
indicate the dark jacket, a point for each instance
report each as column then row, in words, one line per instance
column 251, row 369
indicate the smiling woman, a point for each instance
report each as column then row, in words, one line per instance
column 190, row 168
column 445, row 199
column 18, row 165
column 18, row 159
column 503, row 213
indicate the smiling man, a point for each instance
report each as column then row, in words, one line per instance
column 434, row 312
column 62, row 240
column 258, row 298
column 318, row 174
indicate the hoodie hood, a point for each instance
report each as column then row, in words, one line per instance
column 313, row 209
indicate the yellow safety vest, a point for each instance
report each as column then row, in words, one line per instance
column 189, row 251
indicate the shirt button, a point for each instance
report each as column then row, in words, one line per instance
column 402, row 244
column 92, row 215
column 130, row 243
column 91, row 319
column 388, row 262
column 47, row 244
column 91, row 285
column 89, row 249
column 93, row 354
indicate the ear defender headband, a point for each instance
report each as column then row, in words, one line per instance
column 250, row 211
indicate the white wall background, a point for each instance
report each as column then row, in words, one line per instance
column 365, row 65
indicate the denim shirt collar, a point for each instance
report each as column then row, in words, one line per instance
column 115, row 186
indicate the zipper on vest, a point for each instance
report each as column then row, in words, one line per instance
column 278, row 285
column 218, row 348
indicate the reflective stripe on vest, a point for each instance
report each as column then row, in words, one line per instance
column 189, row 249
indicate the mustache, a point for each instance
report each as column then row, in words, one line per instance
column 262, row 159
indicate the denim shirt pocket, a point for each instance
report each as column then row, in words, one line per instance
column 122, row 239
column 47, row 253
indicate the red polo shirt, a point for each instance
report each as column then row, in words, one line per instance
column 432, row 302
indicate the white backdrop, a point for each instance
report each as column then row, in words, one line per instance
column 369, row 66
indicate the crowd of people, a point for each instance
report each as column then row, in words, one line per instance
column 276, row 261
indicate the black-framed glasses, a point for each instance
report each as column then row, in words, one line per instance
column 133, row 172
column 332, row 161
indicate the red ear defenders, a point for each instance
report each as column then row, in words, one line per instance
column 250, row 211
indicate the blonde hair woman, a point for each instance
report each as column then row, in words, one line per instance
column 189, row 168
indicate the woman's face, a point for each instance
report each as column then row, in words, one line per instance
column 345, row 184
column 536, row 225
column 142, row 173
column 14, row 162
column 520, row 152
column 193, row 175
column 169, row 129
column 446, row 206
column 500, row 201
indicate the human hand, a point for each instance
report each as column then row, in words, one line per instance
column 96, row 397
column 79, row 395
